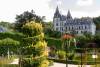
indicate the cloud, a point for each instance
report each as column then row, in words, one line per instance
column 9, row 9
column 79, row 14
column 59, row 2
column 84, row 2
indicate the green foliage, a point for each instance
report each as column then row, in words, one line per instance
column 9, row 65
column 51, row 62
column 51, row 33
column 58, row 60
column 32, row 29
column 88, row 40
column 97, row 22
column 97, row 40
column 36, row 44
column 54, row 42
column 52, row 53
column 61, row 54
column 8, row 42
column 25, row 63
column 14, row 36
column 7, row 25
column 82, row 41
column 11, row 40
column 25, row 17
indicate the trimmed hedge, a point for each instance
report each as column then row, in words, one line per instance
column 54, row 42
column 15, row 36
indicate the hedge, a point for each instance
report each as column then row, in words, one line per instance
column 15, row 36
column 54, row 42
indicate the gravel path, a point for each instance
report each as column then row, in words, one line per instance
column 69, row 65
column 55, row 64
column 58, row 65
column 15, row 61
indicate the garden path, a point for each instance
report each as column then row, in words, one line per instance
column 69, row 65
column 15, row 61
column 55, row 64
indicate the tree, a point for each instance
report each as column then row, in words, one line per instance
column 97, row 22
column 7, row 43
column 97, row 40
column 7, row 25
column 25, row 17
column 35, row 35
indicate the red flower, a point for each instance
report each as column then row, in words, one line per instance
column 66, row 36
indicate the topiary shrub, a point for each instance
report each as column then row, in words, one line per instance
column 25, row 63
column 61, row 54
column 36, row 43
column 51, row 62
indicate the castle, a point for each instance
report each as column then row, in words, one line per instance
column 66, row 24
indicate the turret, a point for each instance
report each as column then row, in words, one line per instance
column 56, row 19
column 69, row 15
column 57, row 13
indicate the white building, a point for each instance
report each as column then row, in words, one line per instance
column 68, row 24
column 2, row 29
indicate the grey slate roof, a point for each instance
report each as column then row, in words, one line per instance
column 70, row 21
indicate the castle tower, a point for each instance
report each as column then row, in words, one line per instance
column 69, row 15
column 57, row 13
column 56, row 20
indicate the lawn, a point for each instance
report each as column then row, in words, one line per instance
column 5, row 62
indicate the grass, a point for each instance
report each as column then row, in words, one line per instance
column 4, row 62
column 8, row 65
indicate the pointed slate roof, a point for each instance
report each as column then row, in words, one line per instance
column 57, row 13
column 69, row 15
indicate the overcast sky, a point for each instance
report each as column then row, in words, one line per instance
column 79, row 8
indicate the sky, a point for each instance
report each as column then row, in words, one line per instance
column 78, row 8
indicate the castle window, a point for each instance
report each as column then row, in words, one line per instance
column 56, row 29
column 56, row 24
column 81, row 31
column 66, row 28
column 69, row 28
column 76, row 32
column 72, row 28
column 62, row 29
column 85, row 27
column 81, row 27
